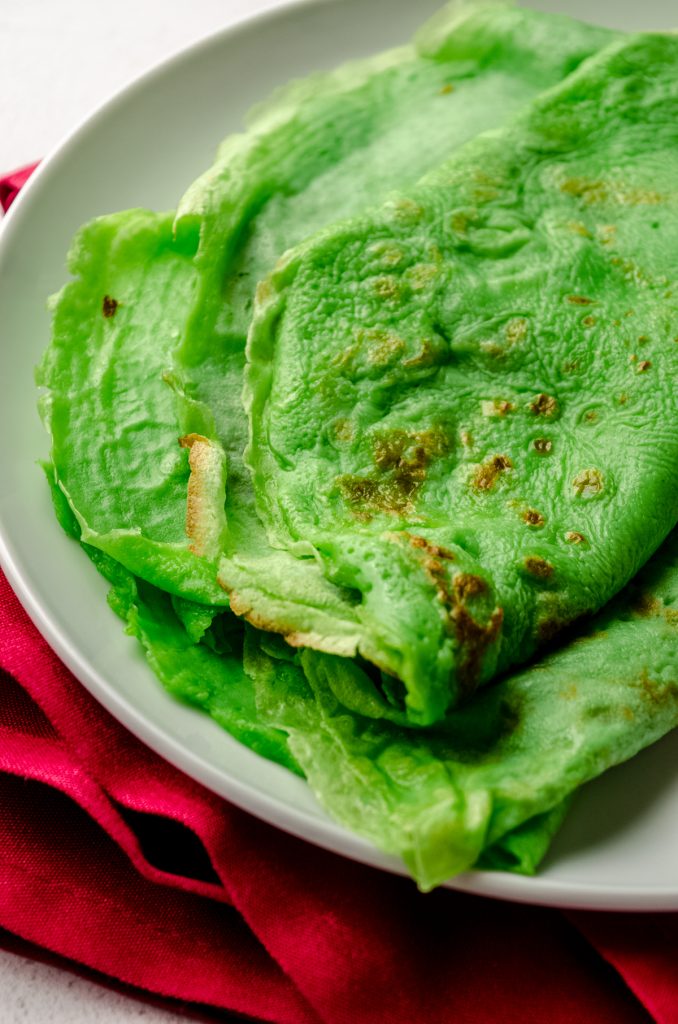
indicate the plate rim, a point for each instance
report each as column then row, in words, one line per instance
column 322, row 832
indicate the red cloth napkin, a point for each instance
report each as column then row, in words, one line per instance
column 11, row 184
column 114, row 859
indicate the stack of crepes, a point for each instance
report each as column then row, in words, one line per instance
column 385, row 409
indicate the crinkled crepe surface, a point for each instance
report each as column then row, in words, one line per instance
column 148, row 350
column 464, row 402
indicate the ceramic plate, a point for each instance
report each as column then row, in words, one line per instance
column 618, row 847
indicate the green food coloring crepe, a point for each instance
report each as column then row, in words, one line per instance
column 114, row 408
column 464, row 404
column 148, row 349
column 148, row 339
column 196, row 653
column 490, row 785
column 200, row 661
column 443, row 798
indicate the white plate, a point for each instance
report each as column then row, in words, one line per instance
column 618, row 847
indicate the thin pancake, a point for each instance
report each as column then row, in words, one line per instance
column 464, row 403
column 198, row 658
column 471, row 788
column 148, row 339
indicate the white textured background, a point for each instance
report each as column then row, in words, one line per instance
column 59, row 59
column 37, row 993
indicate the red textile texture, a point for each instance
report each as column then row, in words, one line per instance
column 115, row 860
column 11, row 184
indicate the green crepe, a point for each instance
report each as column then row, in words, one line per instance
column 491, row 784
column 148, row 339
column 202, row 666
column 114, row 408
column 439, row 798
column 463, row 404
column 205, row 668
column 148, row 348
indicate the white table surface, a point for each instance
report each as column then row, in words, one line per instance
column 59, row 60
column 38, row 993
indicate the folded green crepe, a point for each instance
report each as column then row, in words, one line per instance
column 487, row 787
column 200, row 660
column 463, row 404
column 148, row 348
column 148, row 339
column 442, row 797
